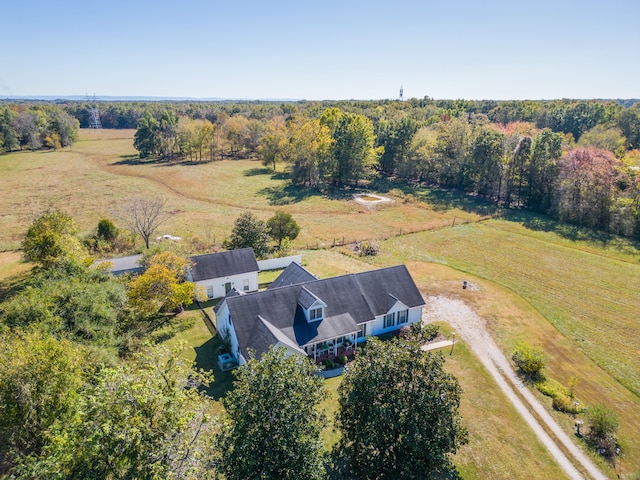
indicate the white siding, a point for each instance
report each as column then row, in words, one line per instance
column 224, row 324
column 377, row 326
column 236, row 281
column 277, row 263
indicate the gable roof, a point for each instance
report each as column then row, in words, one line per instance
column 351, row 300
column 306, row 298
column 223, row 264
column 292, row 275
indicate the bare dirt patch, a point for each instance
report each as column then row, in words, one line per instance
column 370, row 199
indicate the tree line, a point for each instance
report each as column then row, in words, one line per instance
column 35, row 127
column 578, row 161
column 575, row 160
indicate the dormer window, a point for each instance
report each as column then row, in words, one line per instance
column 315, row 314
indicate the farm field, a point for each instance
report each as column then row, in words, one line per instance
column 575, row 296
column 102, row 170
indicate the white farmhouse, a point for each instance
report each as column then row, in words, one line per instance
column 321, row 319
column 219, row 273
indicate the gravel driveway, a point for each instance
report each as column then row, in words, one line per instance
column 471, row 329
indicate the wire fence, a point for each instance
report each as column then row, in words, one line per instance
column 340, row 242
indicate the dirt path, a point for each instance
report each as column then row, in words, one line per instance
column 471, row 329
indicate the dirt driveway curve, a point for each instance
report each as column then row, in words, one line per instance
column 471, row 328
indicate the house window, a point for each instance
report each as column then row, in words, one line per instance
column 210, row 291
column 246, row 284
column 315, row 313
column 403, row 317
column 363, row 331
column 389, row 320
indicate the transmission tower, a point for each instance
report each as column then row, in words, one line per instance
column 94, row 113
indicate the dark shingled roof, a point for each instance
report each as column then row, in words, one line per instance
column 223, row 264
column 294, row 274
column 351, row 300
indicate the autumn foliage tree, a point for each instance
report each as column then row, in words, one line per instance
column 587, row 185
column 52, row 238
column 163, row 285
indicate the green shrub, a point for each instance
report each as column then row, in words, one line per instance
column 603, row 425
column 565, row 404
column 328, row 364
column 107, row 231
column 430, row 331
column 342, row 359
column 529, row 360
column 552, row 388
column 368, row 249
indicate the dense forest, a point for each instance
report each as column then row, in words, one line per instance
column 575, row 160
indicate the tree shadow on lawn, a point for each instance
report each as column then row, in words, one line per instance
column 134, row 160
column 543, row 223
column 287, row 194
column 207, row 359
column 252, row 172
column 441, row 199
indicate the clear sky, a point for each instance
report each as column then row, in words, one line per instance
column 321, row 49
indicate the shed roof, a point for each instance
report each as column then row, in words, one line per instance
column 292, row 275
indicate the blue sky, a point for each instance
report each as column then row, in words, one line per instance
column 315, row 49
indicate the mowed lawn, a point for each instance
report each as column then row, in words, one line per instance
column 579, row 305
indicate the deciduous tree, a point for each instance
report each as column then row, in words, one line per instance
column 353, row 150
column 603, row 426
column 309, row 154
column 147, row 139
column 399, row 413
column 51, row 238
column 282, row 225
column 40, row 378
column 273, row 424
column 249, row 232
column 143, row 215
column 273, row 145
column 144, row 419
column 586, row 186
column 162, row 286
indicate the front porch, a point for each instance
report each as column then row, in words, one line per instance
column 332, row 349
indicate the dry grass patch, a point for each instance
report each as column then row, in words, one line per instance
column 12, row 265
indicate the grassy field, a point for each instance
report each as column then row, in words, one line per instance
column 92, row 180
column 574, row 294
column 579, row 305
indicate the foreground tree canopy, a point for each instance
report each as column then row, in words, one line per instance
column 272, row 429
column 144, row 419
column 399, row 413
